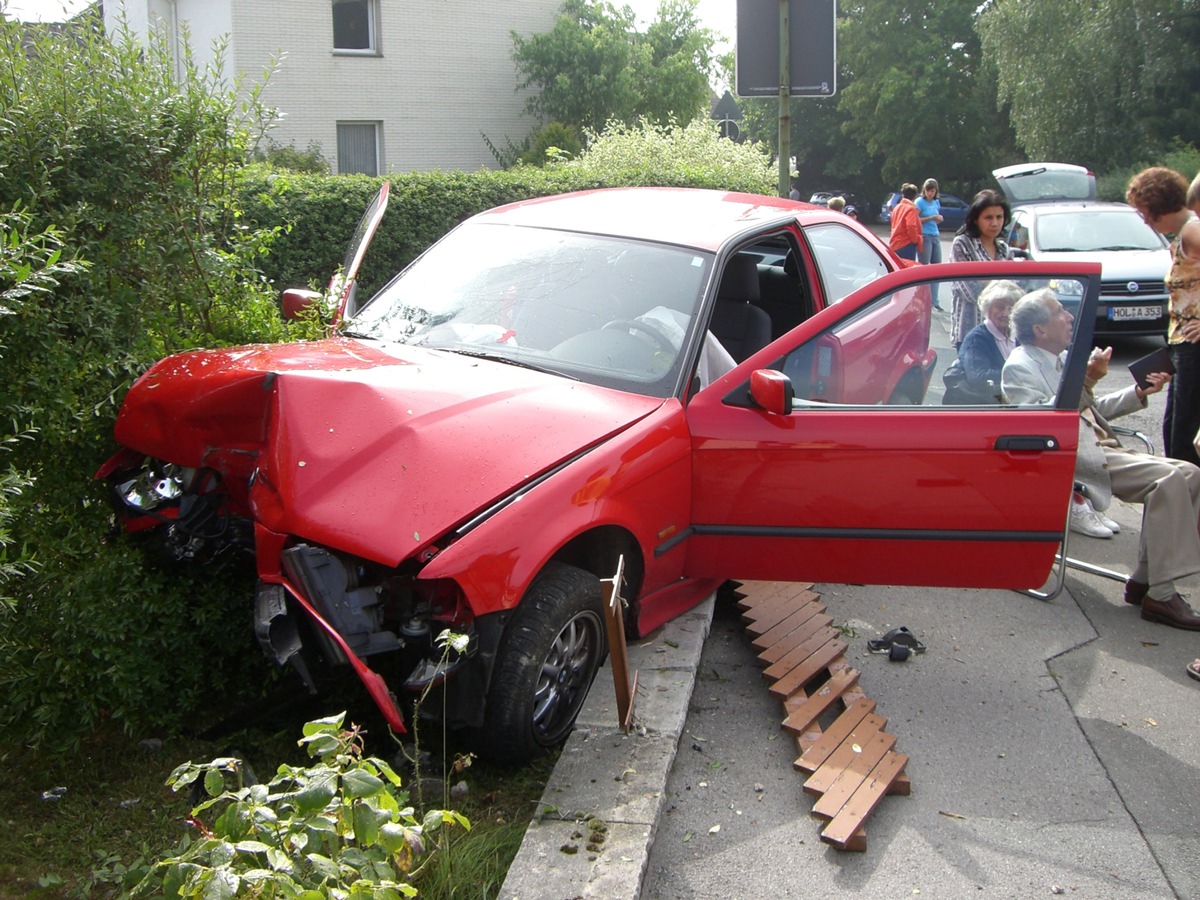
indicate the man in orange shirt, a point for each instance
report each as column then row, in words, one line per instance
column 905, row 241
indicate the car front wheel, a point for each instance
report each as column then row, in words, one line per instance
column 548, row 657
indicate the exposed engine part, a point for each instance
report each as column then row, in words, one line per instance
column 191, row 503
column 436, row 669
column 277, row 633
column 332, row 585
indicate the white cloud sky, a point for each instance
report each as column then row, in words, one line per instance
column 42, row 10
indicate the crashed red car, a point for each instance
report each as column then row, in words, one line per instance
column 708, row 385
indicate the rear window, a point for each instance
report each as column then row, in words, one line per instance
column 1044, row 184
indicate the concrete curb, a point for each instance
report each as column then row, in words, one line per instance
column 594, row 826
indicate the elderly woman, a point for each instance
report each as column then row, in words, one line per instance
column 985, row 348
column 977, row 241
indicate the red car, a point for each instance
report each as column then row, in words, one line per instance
column 709, row 385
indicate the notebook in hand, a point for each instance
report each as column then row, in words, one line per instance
column 1158, row 361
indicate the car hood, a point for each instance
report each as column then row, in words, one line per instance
column 371, row 452
column 1120, row 265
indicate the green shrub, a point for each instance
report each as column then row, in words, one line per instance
column 131, row 164
column 1183, row 158
column 340, row 828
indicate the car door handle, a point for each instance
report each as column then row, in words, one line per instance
column 1027, row 442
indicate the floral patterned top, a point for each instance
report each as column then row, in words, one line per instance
column 1183, row 282
column 965, row 314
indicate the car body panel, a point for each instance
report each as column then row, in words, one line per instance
column 892, row 495
column 385, row 437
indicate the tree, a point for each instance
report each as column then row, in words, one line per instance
column 1098, row 82
column 594, row 66
column 914, row 92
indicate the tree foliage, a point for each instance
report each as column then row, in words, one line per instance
column 917, row 94
column 1097, row 82
column 594, row 66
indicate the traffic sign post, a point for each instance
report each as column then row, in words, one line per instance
column 805, row 66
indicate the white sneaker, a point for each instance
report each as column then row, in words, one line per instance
column 1108, row 523
column 1085, row 521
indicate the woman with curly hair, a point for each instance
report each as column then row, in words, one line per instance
column 978, row 240
column 1160, row 195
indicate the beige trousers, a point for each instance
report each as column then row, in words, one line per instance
column 1169, row 491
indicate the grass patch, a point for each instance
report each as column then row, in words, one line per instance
column 116, row 814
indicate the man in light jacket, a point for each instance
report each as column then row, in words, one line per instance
column 1168, row 489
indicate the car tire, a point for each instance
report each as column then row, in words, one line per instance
column 548, row 657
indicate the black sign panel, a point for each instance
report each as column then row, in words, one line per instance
column 812, row 38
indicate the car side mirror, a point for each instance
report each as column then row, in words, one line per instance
column 1019, row 253
column 295, row 301
column 771, row 390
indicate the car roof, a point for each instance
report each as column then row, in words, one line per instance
column 704, row 219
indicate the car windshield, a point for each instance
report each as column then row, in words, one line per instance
column 609, row 311
column 1089, row 231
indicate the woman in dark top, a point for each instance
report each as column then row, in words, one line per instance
column 985, row 348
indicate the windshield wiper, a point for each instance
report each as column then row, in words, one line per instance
column 1124, row 247
column 501, row 358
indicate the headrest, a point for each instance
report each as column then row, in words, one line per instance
column 739, row 281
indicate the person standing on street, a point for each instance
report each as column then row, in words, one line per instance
column 1161, row 196
column 978, row 240
column 905, row 241
column 929, row 210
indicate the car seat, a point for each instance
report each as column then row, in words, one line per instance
column 742, row 328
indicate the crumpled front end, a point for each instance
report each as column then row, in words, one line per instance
column 345, row 471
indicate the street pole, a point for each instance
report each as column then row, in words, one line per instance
column 785, row 116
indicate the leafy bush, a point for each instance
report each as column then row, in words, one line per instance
column 130, row 164
column 320, row 213
column 1183, row 158
column 340, row 828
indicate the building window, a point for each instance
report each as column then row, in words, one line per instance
column 358, row 148
column 354, row 25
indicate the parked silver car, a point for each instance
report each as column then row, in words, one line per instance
column 1056, row 218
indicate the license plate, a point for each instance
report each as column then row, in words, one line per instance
column 1136, row 313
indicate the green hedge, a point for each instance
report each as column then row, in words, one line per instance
column 319, row 213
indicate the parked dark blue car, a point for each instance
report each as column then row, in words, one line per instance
column 954, row 210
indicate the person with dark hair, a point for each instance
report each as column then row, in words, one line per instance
column 1168, row 489
column 1161, row 196
column 978, row 240
column 905, row 240
column 929, row 209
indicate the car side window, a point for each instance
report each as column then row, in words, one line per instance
column 845, row 260
column 894, row 353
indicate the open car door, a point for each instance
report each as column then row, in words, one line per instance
column 821, row 489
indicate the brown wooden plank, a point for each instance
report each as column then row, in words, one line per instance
column 853, row 775
column 798, row 654
column 800, row 630
column 784, row 593
column 787, row 626
column 864, row 800
column 763, row 618
column 816, row 751
column 756, row 594
column 807, row 670
column 818, row 701
column 824, row 775
column 787, row 645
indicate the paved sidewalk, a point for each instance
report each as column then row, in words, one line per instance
column 596, row 822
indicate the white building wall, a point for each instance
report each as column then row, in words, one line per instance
column 443, row 75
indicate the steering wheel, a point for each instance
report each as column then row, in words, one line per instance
column 665, row 344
